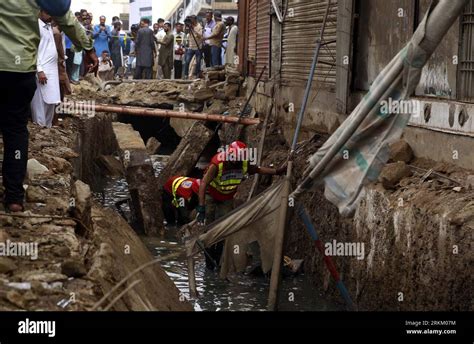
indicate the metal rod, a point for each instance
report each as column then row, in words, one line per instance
column 150, row 112
column 253, row 91
column 302, row 213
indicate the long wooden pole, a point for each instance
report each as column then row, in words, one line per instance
column 279, row 240
column 191, row 272
column 150, row 112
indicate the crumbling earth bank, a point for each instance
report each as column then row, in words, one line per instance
column 417, row 235
column 79, row 260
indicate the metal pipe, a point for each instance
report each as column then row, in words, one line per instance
column 150, row 112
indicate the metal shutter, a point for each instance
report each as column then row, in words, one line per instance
column 301, row 29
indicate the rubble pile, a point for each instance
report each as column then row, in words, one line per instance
column 220, row 86
column 70, row 244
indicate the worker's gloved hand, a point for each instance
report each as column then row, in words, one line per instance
column 201, row 218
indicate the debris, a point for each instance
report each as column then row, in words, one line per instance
column 35, row 194
column 81, row 206
column 401, row 151
column 7, row 265
column 146, row 201
column 73, row 268
column 153, row 146
column 35, row 169
column 392, row 173
column 457, row 189
column 187, row 154
column 110, row 165
column 470, row 182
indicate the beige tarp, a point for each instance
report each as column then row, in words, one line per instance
column 355, row 154
column 256, row 220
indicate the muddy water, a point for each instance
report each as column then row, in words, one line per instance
column 239, row 293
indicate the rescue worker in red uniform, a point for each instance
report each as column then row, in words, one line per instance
column 219, row 186
column 179, row 198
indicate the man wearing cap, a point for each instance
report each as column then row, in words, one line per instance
column 18, row 55
column 227, row 170
column 215, row 40
column 179, row 198
column 166, row 54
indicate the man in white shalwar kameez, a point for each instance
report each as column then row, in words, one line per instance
column 47, row 94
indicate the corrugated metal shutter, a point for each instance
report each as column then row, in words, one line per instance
column 252, row 33
column 301, row 29
column 263, row 38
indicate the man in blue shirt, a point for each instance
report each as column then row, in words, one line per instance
column 102, row 33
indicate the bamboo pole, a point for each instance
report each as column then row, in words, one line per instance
column 191, row 273
column 279, row 240
column 150, row 112
column 280, row 234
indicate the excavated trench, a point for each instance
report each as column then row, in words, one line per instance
column 244, row 292
column 416, row 234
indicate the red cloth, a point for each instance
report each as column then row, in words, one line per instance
column 185, row 190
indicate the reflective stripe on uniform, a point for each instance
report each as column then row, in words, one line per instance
column 174, row 189
column 228, row 186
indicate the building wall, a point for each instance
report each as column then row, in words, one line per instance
column 108, row 8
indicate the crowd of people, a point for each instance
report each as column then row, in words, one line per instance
column 158, row 50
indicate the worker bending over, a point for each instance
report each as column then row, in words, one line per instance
column 219, row 186
column 179, row 198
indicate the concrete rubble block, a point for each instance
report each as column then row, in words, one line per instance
column 7, row 265
column 35, row 194
column 153, row 146
column 81, row 205
column 217, row 108
column 401, row 151
column 145, row 200
column 187, row 154
column 110, row 165
column 231, row 91
column 392, row 174
column 470, row 182
column 35, row 168
column 73, row 268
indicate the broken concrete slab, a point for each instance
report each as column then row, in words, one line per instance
column 81, row 205
column 392, row 174
column 145, row 200
column 111, row 165
column 187, row 154
column 153, row 146
column 401, row 151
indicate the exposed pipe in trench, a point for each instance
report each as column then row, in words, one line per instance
column 150, row 112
